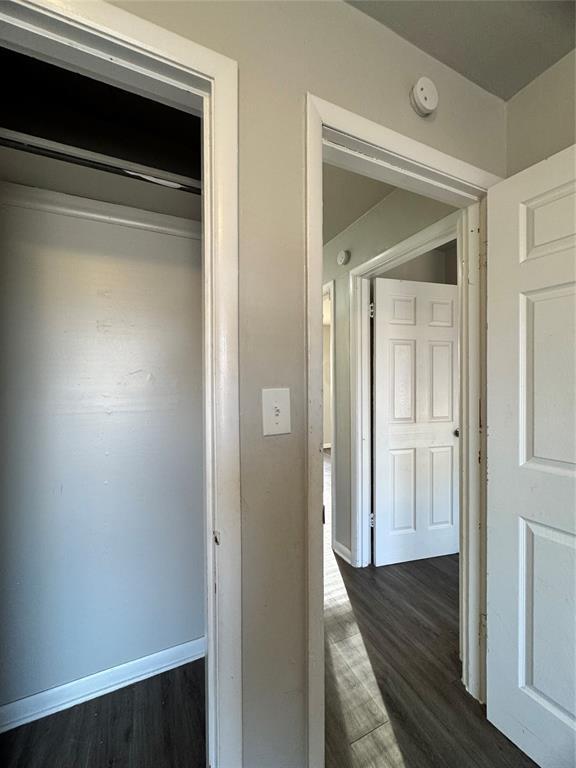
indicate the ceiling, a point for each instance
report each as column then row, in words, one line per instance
column 501, row 45
column 347, row 196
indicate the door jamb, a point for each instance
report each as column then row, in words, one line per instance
column 329, row 289
column 355, row 142
column 122, row 49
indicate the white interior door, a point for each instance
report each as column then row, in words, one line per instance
column 415, row 401
column 531, row 693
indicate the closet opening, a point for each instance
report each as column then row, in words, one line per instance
column 103, row 529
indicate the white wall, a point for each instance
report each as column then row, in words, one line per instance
column 347, row 196
column 285, row 49
column 101, row 490
column 542, row 116
column 400, row 215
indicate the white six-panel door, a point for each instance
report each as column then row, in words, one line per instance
column 531, row 669
column 415, row 406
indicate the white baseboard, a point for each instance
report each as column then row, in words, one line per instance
column 64, row 696
column 343, row 551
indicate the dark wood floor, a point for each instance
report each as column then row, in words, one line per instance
column 157, row 723
column 393, row 693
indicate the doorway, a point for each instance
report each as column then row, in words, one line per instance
column 418, row 237
column 415, row 385
column 354, row 144
column 393, row 625
column 178, row 77
column 102, row 402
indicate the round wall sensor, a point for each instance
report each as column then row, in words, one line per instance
column 424, row 97
column 343, row 258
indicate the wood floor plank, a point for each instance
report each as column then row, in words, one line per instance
column 392, row 647
column 381, row 749
column 361, row 710
column 157, row 723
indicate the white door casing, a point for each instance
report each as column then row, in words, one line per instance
column 415, row 400
column 433, row 170
column 531, row 694
column 119, row 48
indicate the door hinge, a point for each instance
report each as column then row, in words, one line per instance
column 371, row 519
column 371, row 310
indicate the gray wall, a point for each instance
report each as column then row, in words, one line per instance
column 285, row 49
column 542, row 116
column 400, row 215
column 101, row 483
column 438, row 266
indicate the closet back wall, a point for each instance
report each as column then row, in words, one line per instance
column 102, row 523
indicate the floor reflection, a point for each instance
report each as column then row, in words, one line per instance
column 355, row 706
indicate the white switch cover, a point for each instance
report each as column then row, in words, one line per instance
column 276, row 411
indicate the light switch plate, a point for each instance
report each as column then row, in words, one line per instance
column 276, row 411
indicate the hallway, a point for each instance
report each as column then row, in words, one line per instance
column 393, row 693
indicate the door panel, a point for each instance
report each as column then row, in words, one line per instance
column 415, row 411
column 440, row 387
column 403, row 491
column 531, row 693
column 441, row 490
column 403, row 378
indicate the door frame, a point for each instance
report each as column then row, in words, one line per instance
column 431, row 237
column 329, row 289
column 98, row 39
column 352, row 142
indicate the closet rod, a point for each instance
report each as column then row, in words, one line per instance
column 57, row 151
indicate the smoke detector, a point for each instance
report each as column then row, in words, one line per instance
column 342, row 258
column 424, row 97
